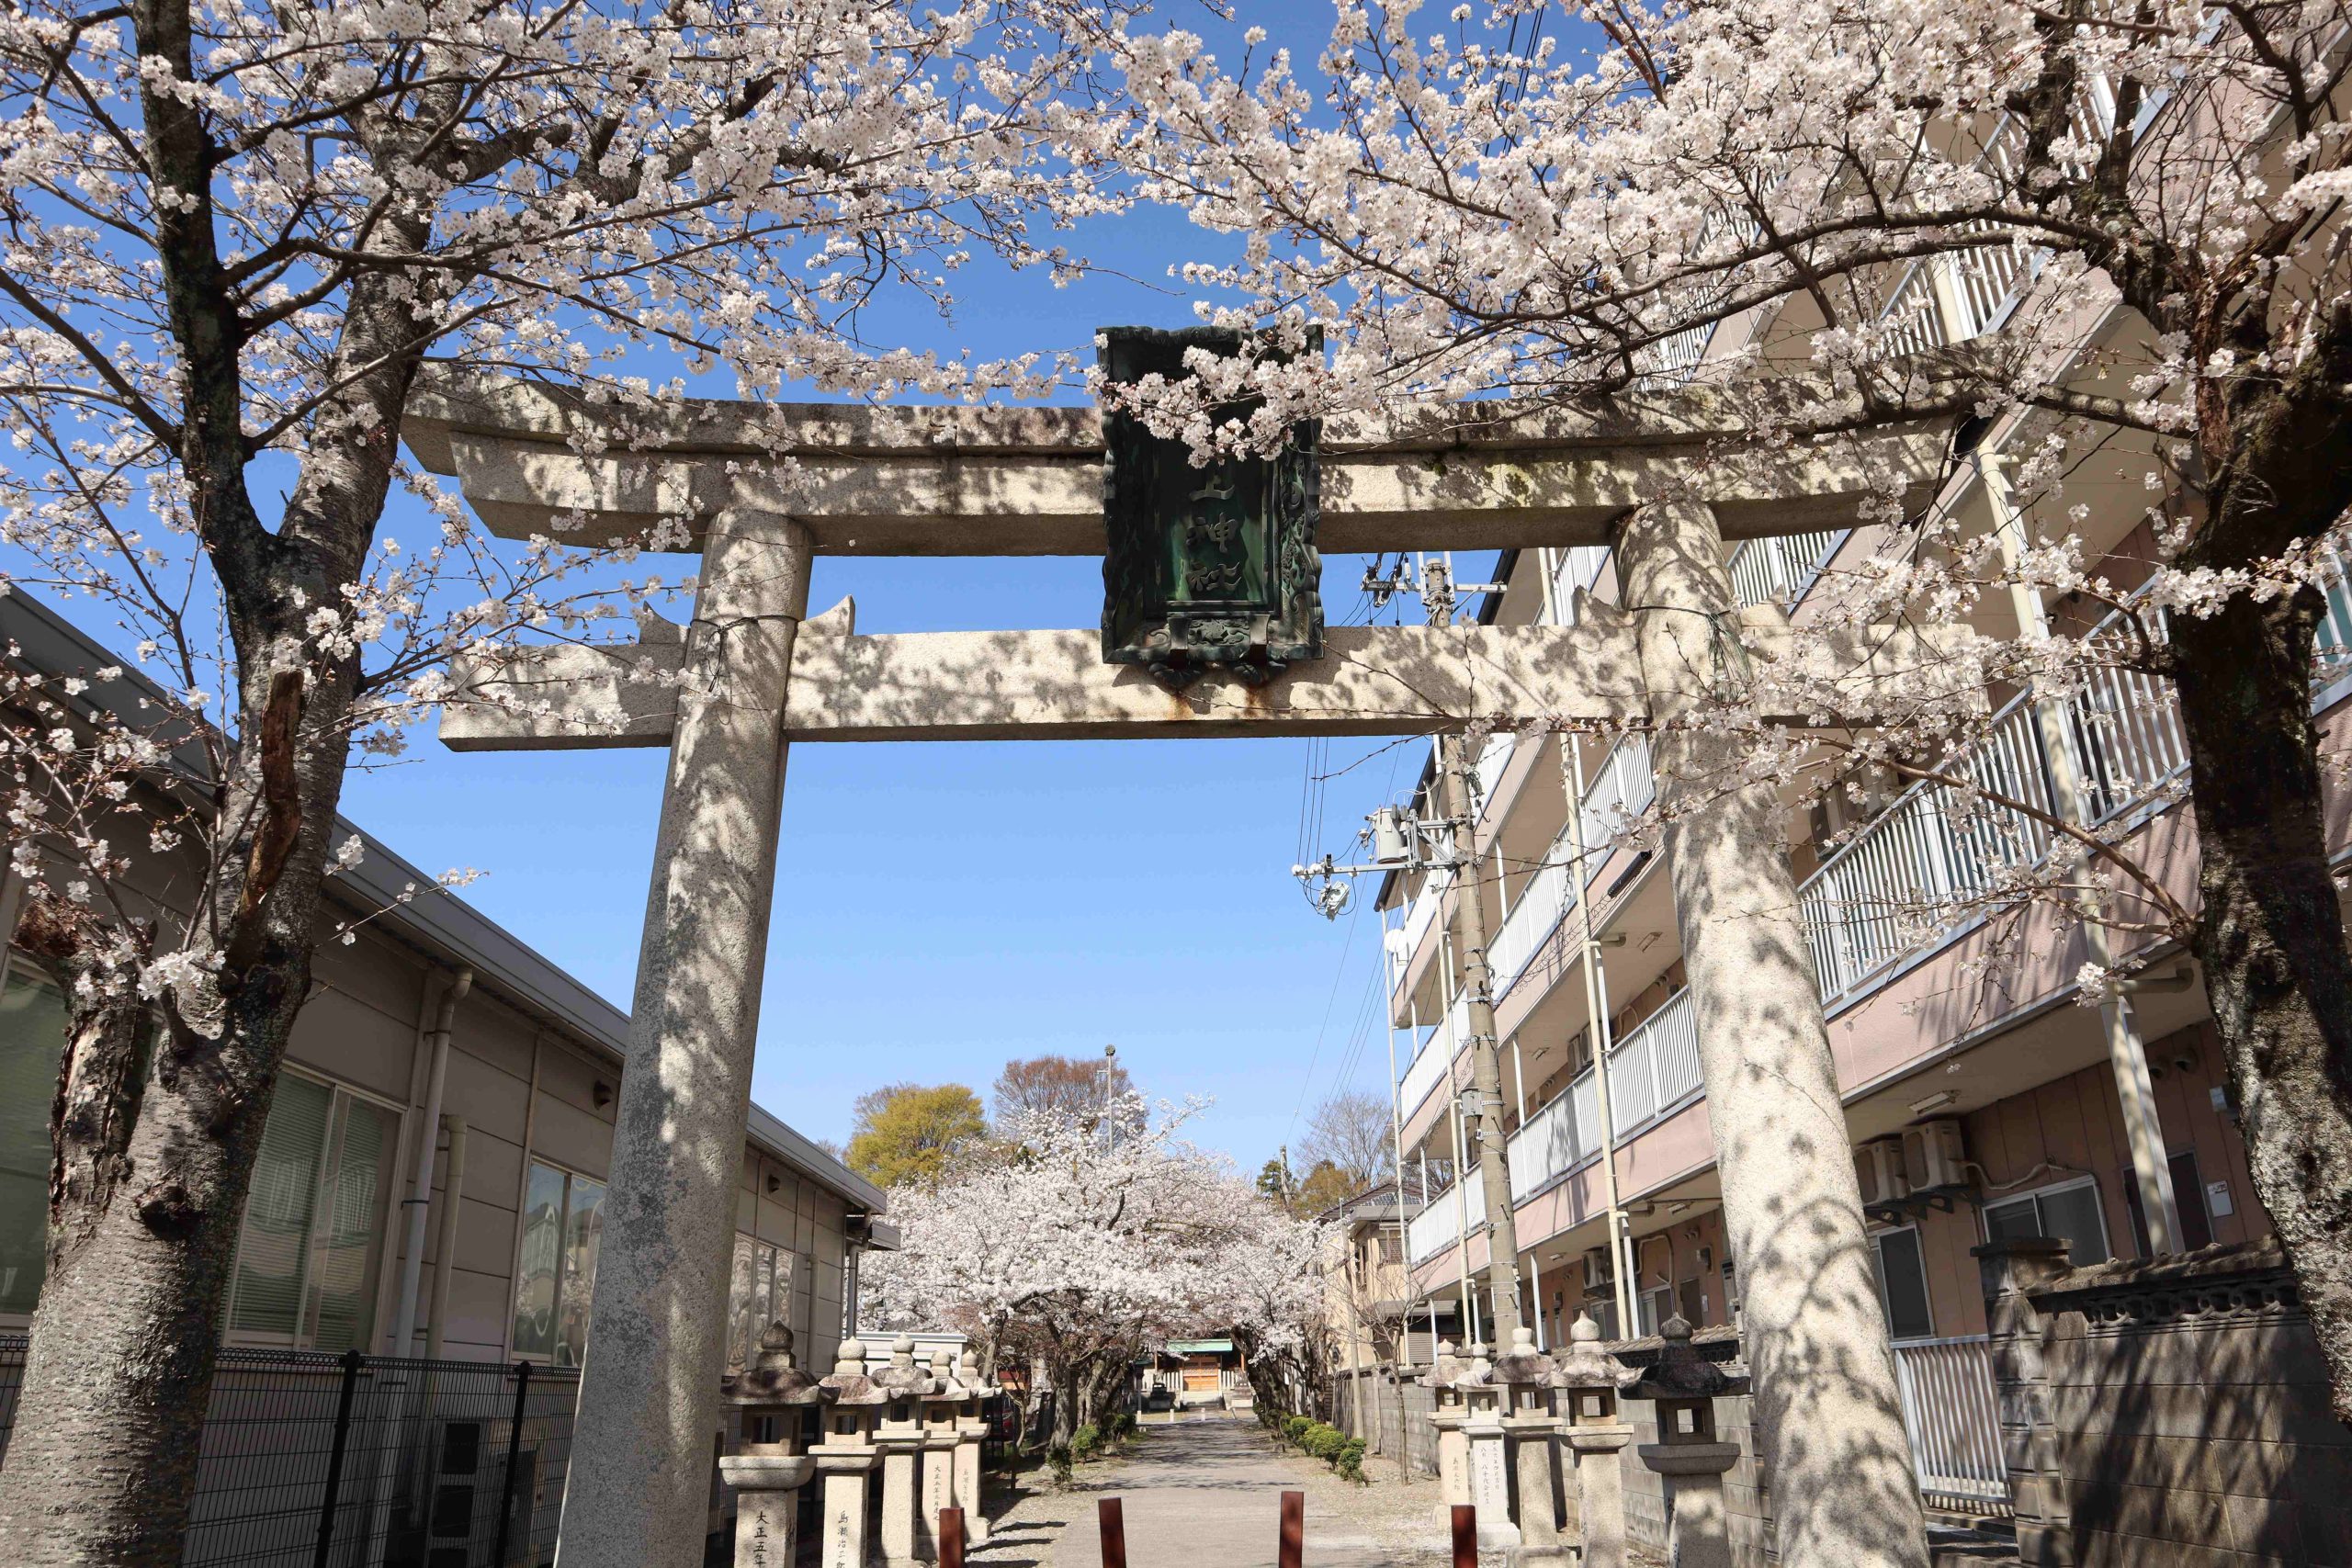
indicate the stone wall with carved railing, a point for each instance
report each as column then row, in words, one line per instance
column 2165, row 1413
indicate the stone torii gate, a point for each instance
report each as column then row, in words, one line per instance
column 766, row 488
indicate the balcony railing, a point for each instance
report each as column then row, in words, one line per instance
column 1579, row 567
column 1439, row 1225
column 1778, row 569
column 1493, row 758
column 1434, row 1055
column 1621, row 790
column 1652, row 1072
column 1547, row 896
column 1894, row 886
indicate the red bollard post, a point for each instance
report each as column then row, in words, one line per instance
column 1465, row 1536
column 1294, row 1537
column 1115, row 1533
column 951, row 1537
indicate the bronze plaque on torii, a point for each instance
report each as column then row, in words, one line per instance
column 1208, row 566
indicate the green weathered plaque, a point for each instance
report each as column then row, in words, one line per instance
column 1206, row 567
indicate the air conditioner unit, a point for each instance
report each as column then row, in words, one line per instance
column 1934, row 1154
column 1879, row 1167
column 1597, row 1273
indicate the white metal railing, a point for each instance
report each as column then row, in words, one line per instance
column 1579, row 567
column 1953, row 1417
column 1620, row 790
column 1672, row 357
column 1651, row 1072
column 1436, row 1053
column 1428, row 1070
column 1493, row 758
column 1914, row 322
column 1425, row 908
column 1892, row 887
column 1989, row 280
column 1888, row 888
column 1439, row 1225
column 1547, row 896
column 1778, row 569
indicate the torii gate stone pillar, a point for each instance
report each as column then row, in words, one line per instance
column 637, row 1492
column 1829, row 1424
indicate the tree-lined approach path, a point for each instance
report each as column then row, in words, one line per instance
column 1207, row 1493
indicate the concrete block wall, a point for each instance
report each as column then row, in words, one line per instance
column 1404, row 1414
column 2188, row 1402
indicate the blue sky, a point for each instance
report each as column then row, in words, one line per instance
column 945, row 909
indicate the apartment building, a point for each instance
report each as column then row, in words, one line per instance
column 1985, row 1097
column 529, row 1075
column 1370, row 1312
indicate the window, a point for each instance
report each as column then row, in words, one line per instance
column 32, row 1039
column 759, row 1292
column 1653, row 1307
column 315, row 1217
column 1902, row 1274
column 2069, row 1212
column 563, row 1219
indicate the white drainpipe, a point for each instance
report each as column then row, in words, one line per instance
column 420, row 1198
column 445, row 1251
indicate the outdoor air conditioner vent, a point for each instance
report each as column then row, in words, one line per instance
column 1934, row 1155
column 1596, row 1269
column 1878, row 1165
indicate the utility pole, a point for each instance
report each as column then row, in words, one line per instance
column 1482, row 1124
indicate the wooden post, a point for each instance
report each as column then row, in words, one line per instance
column 1115, row 1533
column 951, row 1537
column 1465, row 1536
column 1294, row 1537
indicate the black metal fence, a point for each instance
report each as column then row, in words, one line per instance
column 315, row 1460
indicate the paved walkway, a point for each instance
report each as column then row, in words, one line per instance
column 1207, row 1493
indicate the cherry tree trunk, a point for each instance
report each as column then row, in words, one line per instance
column 155, row 1131
column 2271, row 936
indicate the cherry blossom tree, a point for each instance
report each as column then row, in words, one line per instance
column 2137, row 209
column 236, row 235
column 1080, row 1239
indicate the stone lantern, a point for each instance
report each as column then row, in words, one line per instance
column 1482, row 1423
column 971, row 1431
column 900, row 1436
column 1688, row 1453
column 845, row 1454
column 768, row 1473
column 1524, row 1374
column 940, row 1401
column 1452, row 1444
column 1587, row 1383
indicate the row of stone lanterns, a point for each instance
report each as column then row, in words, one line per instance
column 1537, row 1419
column 919, row 1427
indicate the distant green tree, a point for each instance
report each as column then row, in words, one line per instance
column 1273, row 1183
column 906, row 1132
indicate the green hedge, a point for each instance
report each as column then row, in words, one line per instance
column 1327, row 1443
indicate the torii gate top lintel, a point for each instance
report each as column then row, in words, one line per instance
column 963, row 480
